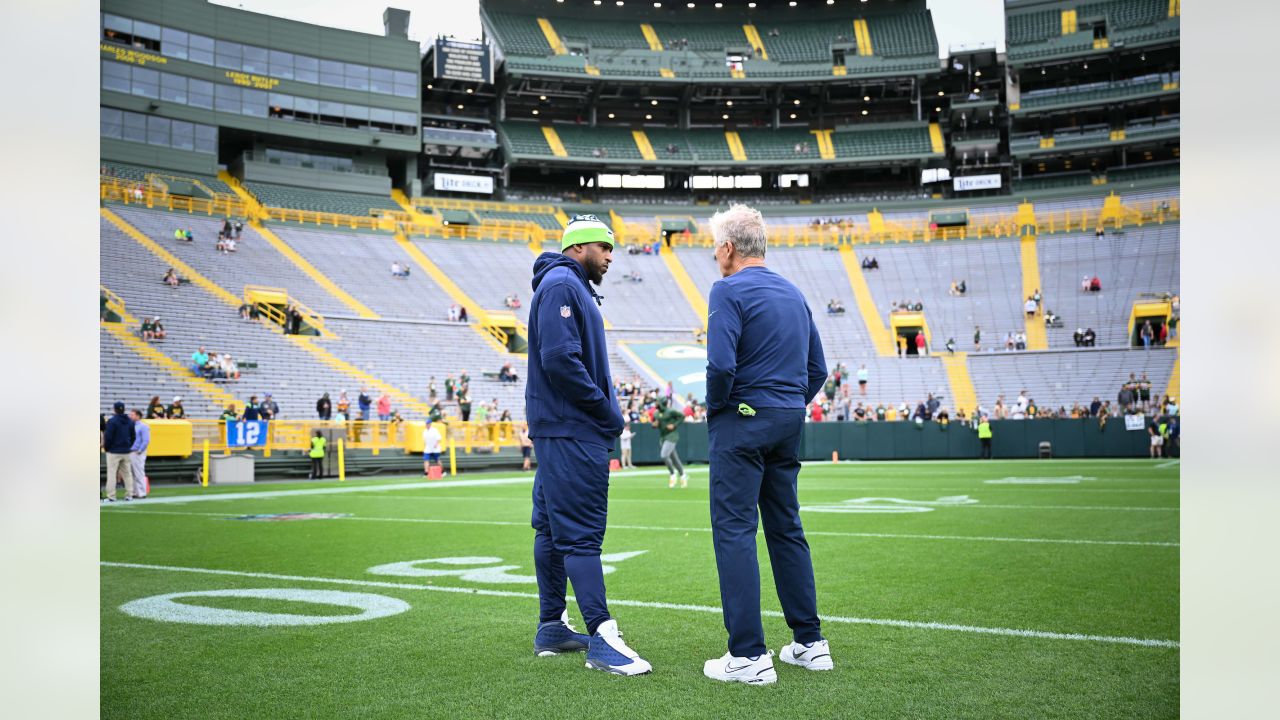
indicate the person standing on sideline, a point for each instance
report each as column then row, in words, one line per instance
column 117, row 441
column 573, row 417
column 764, row 365
column 984, row 437
column 863, row 376
column 668, row 421
column 138, row 454
column 317, row 455
column 526, row 447
column 625, row 443
column 431, row 442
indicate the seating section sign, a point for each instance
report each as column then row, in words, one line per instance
column 470, row 62
column 976, row 182
column 449, row 182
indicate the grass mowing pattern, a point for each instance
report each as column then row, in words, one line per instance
column 470, row 655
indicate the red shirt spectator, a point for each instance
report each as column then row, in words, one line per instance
column 920, row 343
column 1095, row 284
column 1164, row 334
column 815, row 412
column 688, row 411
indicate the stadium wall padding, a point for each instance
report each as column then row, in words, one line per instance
column 1068, row 438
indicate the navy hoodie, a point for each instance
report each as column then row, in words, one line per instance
column 569, row 392
column 117, row 439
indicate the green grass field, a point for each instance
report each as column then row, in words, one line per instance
column 1051, row 593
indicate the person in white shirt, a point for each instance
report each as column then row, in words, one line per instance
column 431, row 441
column 625, row 440
column 1030, row 306
column 1022, row 402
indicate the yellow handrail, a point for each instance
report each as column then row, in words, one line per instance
column 458, row 204
column 981, row 225
column 137, row 193
column 363, row 434
column 312, row 317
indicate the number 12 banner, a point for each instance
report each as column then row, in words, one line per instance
column 246, row 433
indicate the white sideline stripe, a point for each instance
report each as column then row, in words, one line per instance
column 628, row 501
column 427, row 484
column 912, row 624
column 1170, row 464
column 828, row 533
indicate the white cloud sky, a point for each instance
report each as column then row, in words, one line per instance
column 959, row 23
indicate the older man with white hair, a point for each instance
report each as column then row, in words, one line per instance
column 764, row 365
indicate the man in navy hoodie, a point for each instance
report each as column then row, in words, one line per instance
column 117, row 441
column 573, row 418
column 764, row 365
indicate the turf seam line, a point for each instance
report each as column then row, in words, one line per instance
column 826, row 533
column 909, row 624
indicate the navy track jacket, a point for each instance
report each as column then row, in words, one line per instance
column 569, row 392
column 762, row 346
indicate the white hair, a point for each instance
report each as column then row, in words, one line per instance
column 742, row 225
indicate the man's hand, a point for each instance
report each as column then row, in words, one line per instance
column 670, row 426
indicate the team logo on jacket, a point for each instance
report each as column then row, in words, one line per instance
column 564, row 311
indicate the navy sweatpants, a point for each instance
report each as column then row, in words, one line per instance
column 754, row 462
column 570, row 503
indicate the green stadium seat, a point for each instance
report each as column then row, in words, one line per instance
column 519, row 34
column 599, row 33
column 903, row 34
column 872, row 141
column 139, row 173
column 615, row 142
column 525, row 138
column 296, row 198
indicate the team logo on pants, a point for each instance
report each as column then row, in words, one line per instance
column 564, row 311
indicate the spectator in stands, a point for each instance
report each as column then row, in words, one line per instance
column 1162, row 335
column 920, row 346
column 294, row 320
column 344, row 405
column 449, row 385
column 221, row 245
column 954, row 289
column 154, row 409
column 268, row 408
column 1037, row 298
column 239, row 228
column 962, row 288
column 436, row 413
column 1095, row 407
column 384, row 406
column 1051, row 319
column 464, row 406
column 863, row 376
column 225, row 232
column 171, row 278
column 1020, row 341
column 324, row 408
column 229, row 413
column 815, row 412
column 1099, row 233
column 951, row 346
column 462, row 314
column 1078, row 337
column 247, row 311
column 1084, row 284
column 1144, row 392
column 395, row 269
column 507, row 375
column 921, row 413
column 1029, row 307
column 1147, row 333
column 1095, row 285
column 1127, row 396
column 464, row 381
column 1001, row 411
column 176, row 411
column 199, row 359
column 835, row 307
column 365, row 402
column 230, row 369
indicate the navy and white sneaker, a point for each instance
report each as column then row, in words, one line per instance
column 813, row 656
column 757, row 670
column 609, row 653
column 558, row 636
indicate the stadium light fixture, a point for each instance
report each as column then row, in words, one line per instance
column 942, row 93
column 691, row 5
column 831, row 2
column 792, row 3
column 977, row 90
column 729, row 103
column 751, row 5
column 597, row 2
column 795, row 102
column 648, row 117
column 611, row 116
column 459, row 106
column 657, row 4
column 542, row 97
column 937, row 109
column 724, row 116
column 535, row 111
column 864, row 112
column 653, row 102
column 620, row 3
column 719, row 5
column 977, row 73
column 793, row 116
column 428, row 86
column 866, row 98
column 1086, row 65
column 470, row 91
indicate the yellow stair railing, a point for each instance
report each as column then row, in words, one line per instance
column 755, row 41
column 651, row 37
column 553, row 141
column 826, row 148
column 553, row 39
column 1036, row 337
column 170, row 366
column 863, row 36
column 935, row 138
column 313, row 272
column 963, row 395
column 643, row 145
column 735, row 145
column 880, row 335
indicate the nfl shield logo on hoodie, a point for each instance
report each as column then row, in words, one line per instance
column 564, row 311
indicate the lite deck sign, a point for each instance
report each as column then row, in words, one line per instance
column 463, row 183
column 976, row 182
column 470, row 62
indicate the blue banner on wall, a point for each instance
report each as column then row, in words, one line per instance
column 684, row 365
column 246, row 433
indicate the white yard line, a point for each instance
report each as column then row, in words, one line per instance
column 703, row 502
column 910, row 624
column 612, row 526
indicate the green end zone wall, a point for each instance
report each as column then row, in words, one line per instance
column 930, row 441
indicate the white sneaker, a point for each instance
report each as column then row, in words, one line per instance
column 684, row 481
column 752, row 671
column 608, row 652
column 814, row 656
column 672, row 482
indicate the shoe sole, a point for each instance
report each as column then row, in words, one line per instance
column 764, row 680
column 805, row 665
column 552, row 652
column 597, row 665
